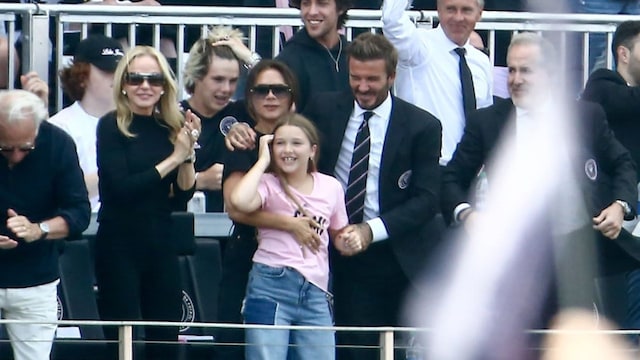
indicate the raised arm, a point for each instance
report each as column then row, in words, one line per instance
column 402, row 32
column 245, row 196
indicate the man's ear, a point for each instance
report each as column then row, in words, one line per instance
column 623, row 54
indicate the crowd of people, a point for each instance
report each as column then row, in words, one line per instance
column 346, row 168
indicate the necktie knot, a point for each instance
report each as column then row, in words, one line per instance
column 367, row 115
column 461, row 51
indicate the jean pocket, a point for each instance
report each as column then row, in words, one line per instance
column 269, row 271
column 329, row 297
column 259, row 311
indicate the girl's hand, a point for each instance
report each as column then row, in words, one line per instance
column 264, row 153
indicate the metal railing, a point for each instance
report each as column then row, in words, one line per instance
column 126, row 338
column 40, row 23
column 387, row 347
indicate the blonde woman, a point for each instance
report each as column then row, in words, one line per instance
column 145, row 164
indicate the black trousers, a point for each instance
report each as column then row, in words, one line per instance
column 236, row 264
column 369, row 290
column 138, row 279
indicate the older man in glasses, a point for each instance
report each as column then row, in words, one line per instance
column 43, row 198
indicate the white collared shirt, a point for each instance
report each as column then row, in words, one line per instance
column 428, row 73
column 378, row 124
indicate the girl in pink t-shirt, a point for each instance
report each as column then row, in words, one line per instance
column 288, row 284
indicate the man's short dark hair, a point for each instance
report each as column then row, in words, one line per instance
column 370, row 46
column 341, row 5
column 624, row 35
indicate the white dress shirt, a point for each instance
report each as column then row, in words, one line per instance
column 428, row 73
column 378, row 124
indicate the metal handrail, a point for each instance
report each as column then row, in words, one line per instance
column 37, row 19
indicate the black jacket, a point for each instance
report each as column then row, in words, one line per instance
column 621, row 103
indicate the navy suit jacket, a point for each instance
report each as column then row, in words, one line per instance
column 412, row 146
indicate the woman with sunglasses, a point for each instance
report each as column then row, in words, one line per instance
column 270, row 93
column 145, row 163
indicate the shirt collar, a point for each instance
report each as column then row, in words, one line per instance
column 447, row 43
column 381, row 110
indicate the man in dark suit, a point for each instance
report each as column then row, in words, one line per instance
column 609, row 187
column 400, row 199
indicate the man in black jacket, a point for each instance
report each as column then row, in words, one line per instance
column 619, row 95
column 602, row 166
column 43, row 198
column 617, row 91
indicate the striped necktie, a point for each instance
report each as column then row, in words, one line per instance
column 357, row 185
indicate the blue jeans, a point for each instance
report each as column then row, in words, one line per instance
column 282, row 296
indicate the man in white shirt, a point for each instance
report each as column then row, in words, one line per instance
column 428, row 73
column 89, row 81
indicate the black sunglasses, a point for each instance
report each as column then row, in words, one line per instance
column 20, row 148
column 279, row 91
column 136, row 78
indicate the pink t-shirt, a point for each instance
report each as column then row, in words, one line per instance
column 279, row 248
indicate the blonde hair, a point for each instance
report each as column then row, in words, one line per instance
column 202, row 52
column 167, row 110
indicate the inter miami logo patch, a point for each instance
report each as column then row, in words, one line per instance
column 60, row 308
column 591, row 169
column 188, row 311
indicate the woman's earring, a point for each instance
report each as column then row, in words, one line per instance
column 161, row 92
column 124, row 92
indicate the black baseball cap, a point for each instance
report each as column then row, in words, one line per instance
column 101, row 51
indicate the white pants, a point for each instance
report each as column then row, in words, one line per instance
column 36, row 303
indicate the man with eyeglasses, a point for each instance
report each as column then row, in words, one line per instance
column 43, row 198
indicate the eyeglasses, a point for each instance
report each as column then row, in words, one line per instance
column 279, row 91
column 20, row 148
column 136, row 78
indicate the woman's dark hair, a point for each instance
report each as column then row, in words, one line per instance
column 259, row 68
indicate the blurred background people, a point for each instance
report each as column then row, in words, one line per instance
column 145, row 154
column 88, row 81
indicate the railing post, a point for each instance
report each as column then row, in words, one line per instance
column 36, row 48
column 125, row 342
column 386, row 345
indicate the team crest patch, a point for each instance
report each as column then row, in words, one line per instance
column 591, row 169
column 60, row 310
column 226, row 123
column 188, row 311
column 404, row 179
